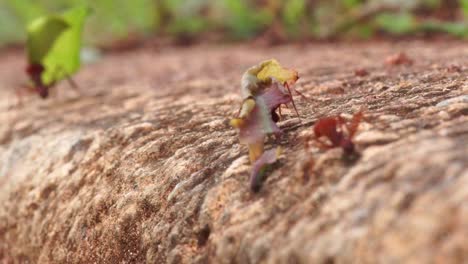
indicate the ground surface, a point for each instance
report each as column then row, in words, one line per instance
column 143, row 165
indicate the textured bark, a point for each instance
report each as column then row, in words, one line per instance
column 144, row 167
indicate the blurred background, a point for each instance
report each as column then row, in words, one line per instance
column 116, row 23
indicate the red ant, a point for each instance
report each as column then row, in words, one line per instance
column 34, row 71
column 334, row 129
column 398, row 59
column 361, row 72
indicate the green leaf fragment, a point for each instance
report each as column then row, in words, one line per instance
column 64, row 57
column 262, row 74
column 54, row 41
column 272, row 69
column 453, row 28
column 42, row 33
column 261, row 167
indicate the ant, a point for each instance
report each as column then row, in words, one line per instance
column 34, row 71
column 361, row 72
column 398, row 59
column 339, row 132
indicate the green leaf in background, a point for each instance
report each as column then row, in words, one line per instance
column 363, row 31
column 189, row 25
column 26, row 10
column 243, row 20
column 41, row 35
column 464, row 5
column 185, row 17
column 11, row 29
column 452, row 28
column 114, row 19
column 432, row 3
column 293, row 13
column 239, row 19
column 64, row 57
column 399, row 24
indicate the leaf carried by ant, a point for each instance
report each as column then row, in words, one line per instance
column 260, row 76
column 255, row 120
column 264, row 88
column 272, row 69
column 64, row 58
column 54, row 41
column 261, row 166
column 41, row 35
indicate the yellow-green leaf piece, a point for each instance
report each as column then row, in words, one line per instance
column 64, row 57
column 272, row 69
column 41, row 36
column 260, row 76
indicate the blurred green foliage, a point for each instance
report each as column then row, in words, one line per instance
column 245, row 19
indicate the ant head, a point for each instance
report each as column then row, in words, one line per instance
column 348, row 146
column 34, row 69
column 43, row 91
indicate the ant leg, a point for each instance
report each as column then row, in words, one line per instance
column 21, row 92
column 279, row 113
column 301, row 94
column 292, row 101
column 340, row 120
column 19, row 96
column 353, row 126
column 341, row 124
column 240, row 108
column 70, row 80
column 72, row 83
column 322, row 144
column 318, row 143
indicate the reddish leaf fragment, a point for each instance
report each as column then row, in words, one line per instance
column 261, row 166
column 257, row 121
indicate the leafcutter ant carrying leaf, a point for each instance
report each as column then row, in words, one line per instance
column 53, row 48
column 272, row 70
column 333, row 132
column 264, row 87
column 256, row 122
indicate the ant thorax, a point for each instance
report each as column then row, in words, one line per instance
column 35, row 71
